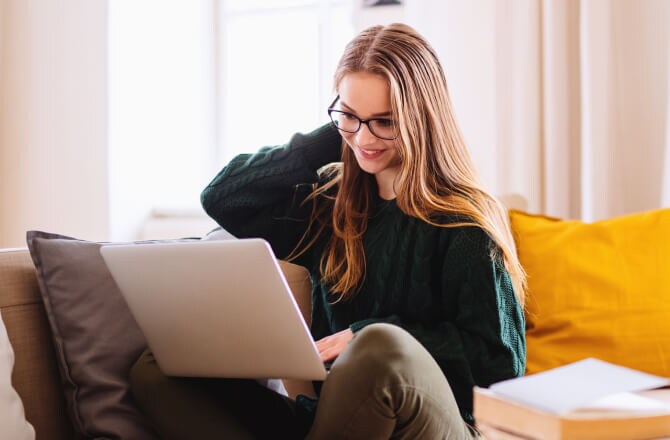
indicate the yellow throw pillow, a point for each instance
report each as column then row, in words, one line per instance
column 597, row 290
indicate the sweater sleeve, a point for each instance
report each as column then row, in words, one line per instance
column 482, row 339
column 261, row 194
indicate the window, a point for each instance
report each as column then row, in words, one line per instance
column 192, row 83
column 277, row 61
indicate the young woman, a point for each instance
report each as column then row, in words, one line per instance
column 417, row 289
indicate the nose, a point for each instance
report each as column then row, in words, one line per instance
column 364, row 136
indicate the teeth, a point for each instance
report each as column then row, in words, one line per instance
column 371, row 151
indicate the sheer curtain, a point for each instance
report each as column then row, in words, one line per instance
column 2, row 27
column 665, row 201
column 53, row 117
column 564, row 102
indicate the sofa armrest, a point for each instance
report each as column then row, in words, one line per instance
column 35, row 376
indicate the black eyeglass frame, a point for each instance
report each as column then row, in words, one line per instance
column 332, row 110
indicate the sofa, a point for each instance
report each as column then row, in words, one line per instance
column 589, row 285
column 35, row 376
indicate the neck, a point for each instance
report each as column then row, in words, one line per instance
column 385, row 181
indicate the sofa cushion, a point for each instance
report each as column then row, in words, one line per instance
column 597, row 290
column 95, row 337
column 13, row 423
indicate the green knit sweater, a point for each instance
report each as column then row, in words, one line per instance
column 440, row 284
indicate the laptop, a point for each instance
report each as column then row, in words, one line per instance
column 215, row 309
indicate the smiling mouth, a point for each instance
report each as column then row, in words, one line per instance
column 370, row 154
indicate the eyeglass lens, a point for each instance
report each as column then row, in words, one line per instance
column 382, row 128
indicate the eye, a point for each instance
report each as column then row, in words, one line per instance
column 384, row 122
column 349, row 116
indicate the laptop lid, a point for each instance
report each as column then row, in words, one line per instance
column 215, row 309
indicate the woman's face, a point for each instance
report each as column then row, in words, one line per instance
column 366, row 96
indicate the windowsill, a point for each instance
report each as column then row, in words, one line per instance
column 172, row 223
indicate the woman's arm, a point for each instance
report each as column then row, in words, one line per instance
column 261, row 194
column 481, row 339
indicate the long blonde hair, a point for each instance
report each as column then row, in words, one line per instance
column 436, row 174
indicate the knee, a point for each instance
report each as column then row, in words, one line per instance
column 383, row 339
column 383, row 350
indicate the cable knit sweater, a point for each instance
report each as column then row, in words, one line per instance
column 440, row 284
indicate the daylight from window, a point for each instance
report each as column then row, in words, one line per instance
column 193, row 83
column 278, row 62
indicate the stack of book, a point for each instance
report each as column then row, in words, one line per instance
column 587, row 400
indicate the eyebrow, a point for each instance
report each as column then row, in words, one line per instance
column 374, row 115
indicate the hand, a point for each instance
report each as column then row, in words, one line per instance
column 331, row 346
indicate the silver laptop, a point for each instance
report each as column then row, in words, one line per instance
column 215, row 309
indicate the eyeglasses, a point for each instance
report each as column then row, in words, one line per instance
column 383, row 128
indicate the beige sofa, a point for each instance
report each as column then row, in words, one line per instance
column 547, row 247
column 35, row 375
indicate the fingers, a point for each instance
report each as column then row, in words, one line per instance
column 328, row 341
column 326, row 345
column 323, row 343
column 329, row 354
column 331, row 346
column 328, row 348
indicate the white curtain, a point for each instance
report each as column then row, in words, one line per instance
column 665, row 201
column 2, row 26
column 53, row 118
column 565, row 102
column 2, row 49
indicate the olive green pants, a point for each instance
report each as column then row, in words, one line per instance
column 384, row 385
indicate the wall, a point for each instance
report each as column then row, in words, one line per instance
column 53, row 116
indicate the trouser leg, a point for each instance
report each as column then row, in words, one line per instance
column 386, row 385
column 190, row 408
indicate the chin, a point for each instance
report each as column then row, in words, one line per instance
column 371, row 168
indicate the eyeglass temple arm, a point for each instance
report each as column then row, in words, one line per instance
column 333, row 103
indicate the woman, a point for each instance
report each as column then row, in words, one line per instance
column 412, row 262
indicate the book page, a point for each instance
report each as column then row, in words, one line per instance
column 575, row 385
column 627, row 402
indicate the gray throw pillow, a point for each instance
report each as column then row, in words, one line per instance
column 96, row 338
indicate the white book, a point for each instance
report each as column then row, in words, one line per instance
column 586, row 400
column 575, row 385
